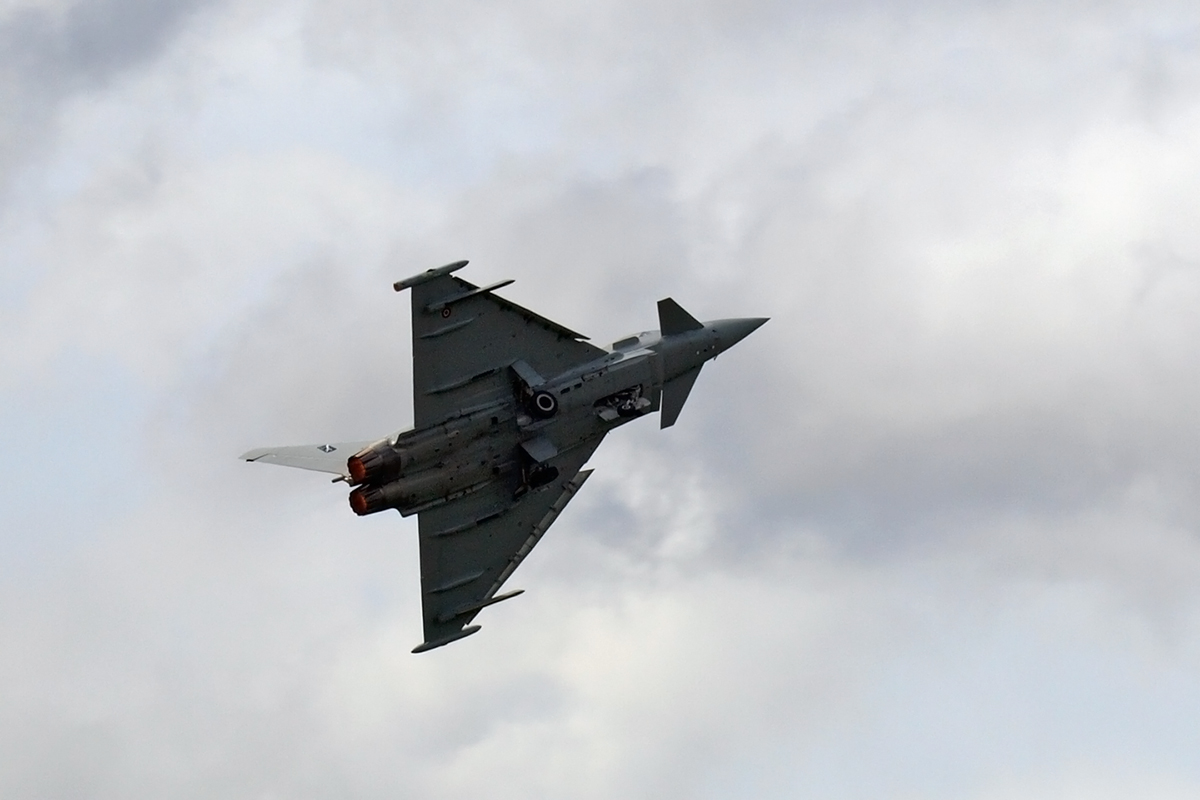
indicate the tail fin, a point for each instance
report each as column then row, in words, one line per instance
column 673, row 319
column 329, row 458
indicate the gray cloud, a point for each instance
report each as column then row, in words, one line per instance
column 87, row 43
column 935, row 518
column 50, row 54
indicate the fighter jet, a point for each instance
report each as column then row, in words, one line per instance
column 508, row 406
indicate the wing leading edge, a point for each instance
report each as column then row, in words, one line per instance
column 471, row 546
column 465, row 338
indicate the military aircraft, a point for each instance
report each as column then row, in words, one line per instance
column 508, row 406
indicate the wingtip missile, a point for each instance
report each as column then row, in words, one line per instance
column 445, row 640
column 428, row 275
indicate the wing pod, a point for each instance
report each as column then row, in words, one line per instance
column 445, row 640
column 428, row 275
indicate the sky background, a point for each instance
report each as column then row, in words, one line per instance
column 933, row 532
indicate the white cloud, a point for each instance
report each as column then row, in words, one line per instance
column 929, row 533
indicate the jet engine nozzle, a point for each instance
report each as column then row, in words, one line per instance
column 367, row 500
column 379, row 463
column 413, row 491
column 370, row 499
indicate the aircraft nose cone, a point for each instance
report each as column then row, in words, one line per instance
column 732, row 331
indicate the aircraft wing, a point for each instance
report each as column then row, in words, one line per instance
column 465, row 338
column 470, row 546
column 329, row 458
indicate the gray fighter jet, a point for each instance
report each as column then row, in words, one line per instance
column 508, row 407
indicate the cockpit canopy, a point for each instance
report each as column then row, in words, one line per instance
column 643, row 339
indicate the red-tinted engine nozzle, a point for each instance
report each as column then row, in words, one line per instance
column 357, row 469
column 366, row 500
column 376, row 464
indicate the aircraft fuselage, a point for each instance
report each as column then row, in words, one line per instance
column 418, row 469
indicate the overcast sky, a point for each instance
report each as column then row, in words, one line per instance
column 932, row 533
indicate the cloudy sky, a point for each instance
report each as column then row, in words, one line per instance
column 931, row 533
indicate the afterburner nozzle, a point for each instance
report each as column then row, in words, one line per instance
column 379, row 463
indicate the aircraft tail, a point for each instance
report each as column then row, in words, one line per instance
column 329, row 458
